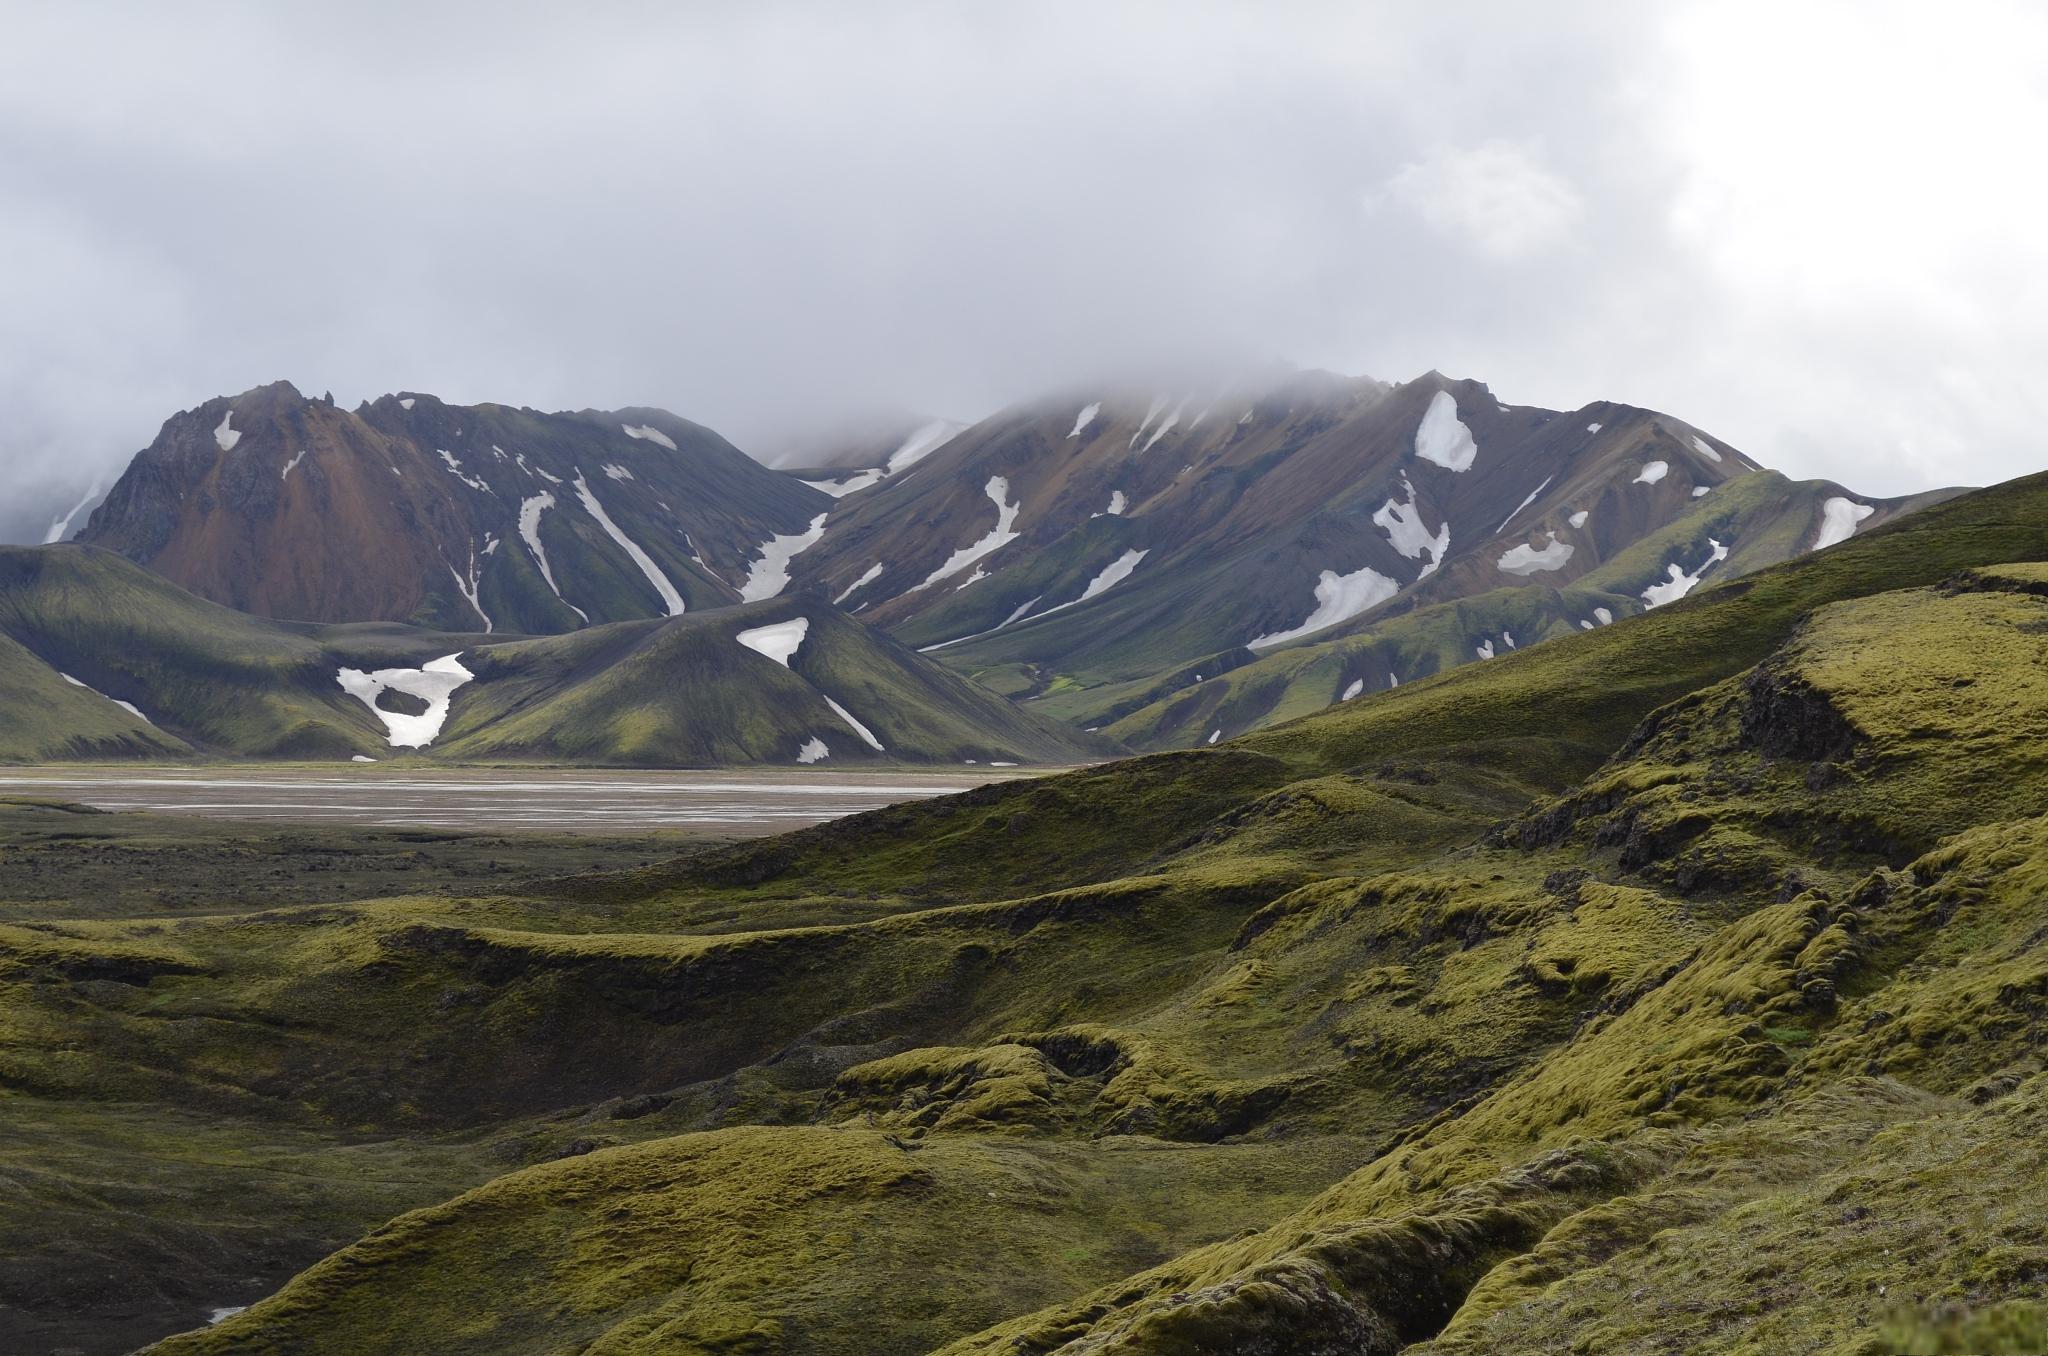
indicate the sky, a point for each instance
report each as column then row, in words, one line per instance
column 1813, row 229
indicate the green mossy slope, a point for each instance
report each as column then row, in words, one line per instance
column 673, row 692
column 1674, row 985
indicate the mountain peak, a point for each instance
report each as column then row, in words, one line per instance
column 270, row 395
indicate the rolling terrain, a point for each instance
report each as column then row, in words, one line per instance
column 1673, row 984
column 101, row 659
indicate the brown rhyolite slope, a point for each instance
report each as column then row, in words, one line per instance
column 409, row 509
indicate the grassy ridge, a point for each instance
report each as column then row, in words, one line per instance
column 665, row 693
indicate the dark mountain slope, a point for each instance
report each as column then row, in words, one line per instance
column 484, row 517
column 1763, row 517
column 1089, row 552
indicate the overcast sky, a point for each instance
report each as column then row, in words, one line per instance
column 1816, row 230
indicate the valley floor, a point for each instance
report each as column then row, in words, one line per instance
column 723, row 802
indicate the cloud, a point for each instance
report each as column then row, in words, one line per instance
column 1497, row 196
column 1810, row 232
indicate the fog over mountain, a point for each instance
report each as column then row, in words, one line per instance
column 769, row 216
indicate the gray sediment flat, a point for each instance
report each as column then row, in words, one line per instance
column 535, row 800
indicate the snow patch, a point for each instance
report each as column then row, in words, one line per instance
column 1442, row 438
column 1151, row 413
column 872, row 573
column 769, row 575
column 286, row 473
column 1117, row 503
column 405, row 403
column 226, row 435
column 1679, row 583
column 1651, row 473
column 1606, row 617
column 1085, row 418
column 813, row 750
column 129, row 707
column 1592, row 428
column 975, row 578
column 1403, row 526
column 361, row 758
column 1021, row 609
column 1699, row 490
column 435, row 685
column 1485, row 648
column 1357, row 686
column 1527, row 559
column 1167, row 426
column 1700, row 446
column 469, row 589
column 839, row 489
column 1215, row 735
column 617, row 472
column 669, row 596
column 1579, row 519
column 921, row 444
column 1339, row 597
column 1525, row 503
column 998, row 490
column 1838, row 519
column 779, row 641
column 1112, row 574
column 61, row 529
column 455, row 469
column 650, row 434
column 529, row 531
column 863, row 731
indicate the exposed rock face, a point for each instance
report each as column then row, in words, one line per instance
column 469, row 518
column 1783, row 716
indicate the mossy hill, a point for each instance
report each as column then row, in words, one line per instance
column 102, row 659
column 1677, row 985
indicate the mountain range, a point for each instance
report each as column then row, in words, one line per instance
column 1151, row 570
column 1677, row 984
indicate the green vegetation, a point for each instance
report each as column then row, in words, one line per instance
column 675, row 692
column 1675, row 985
